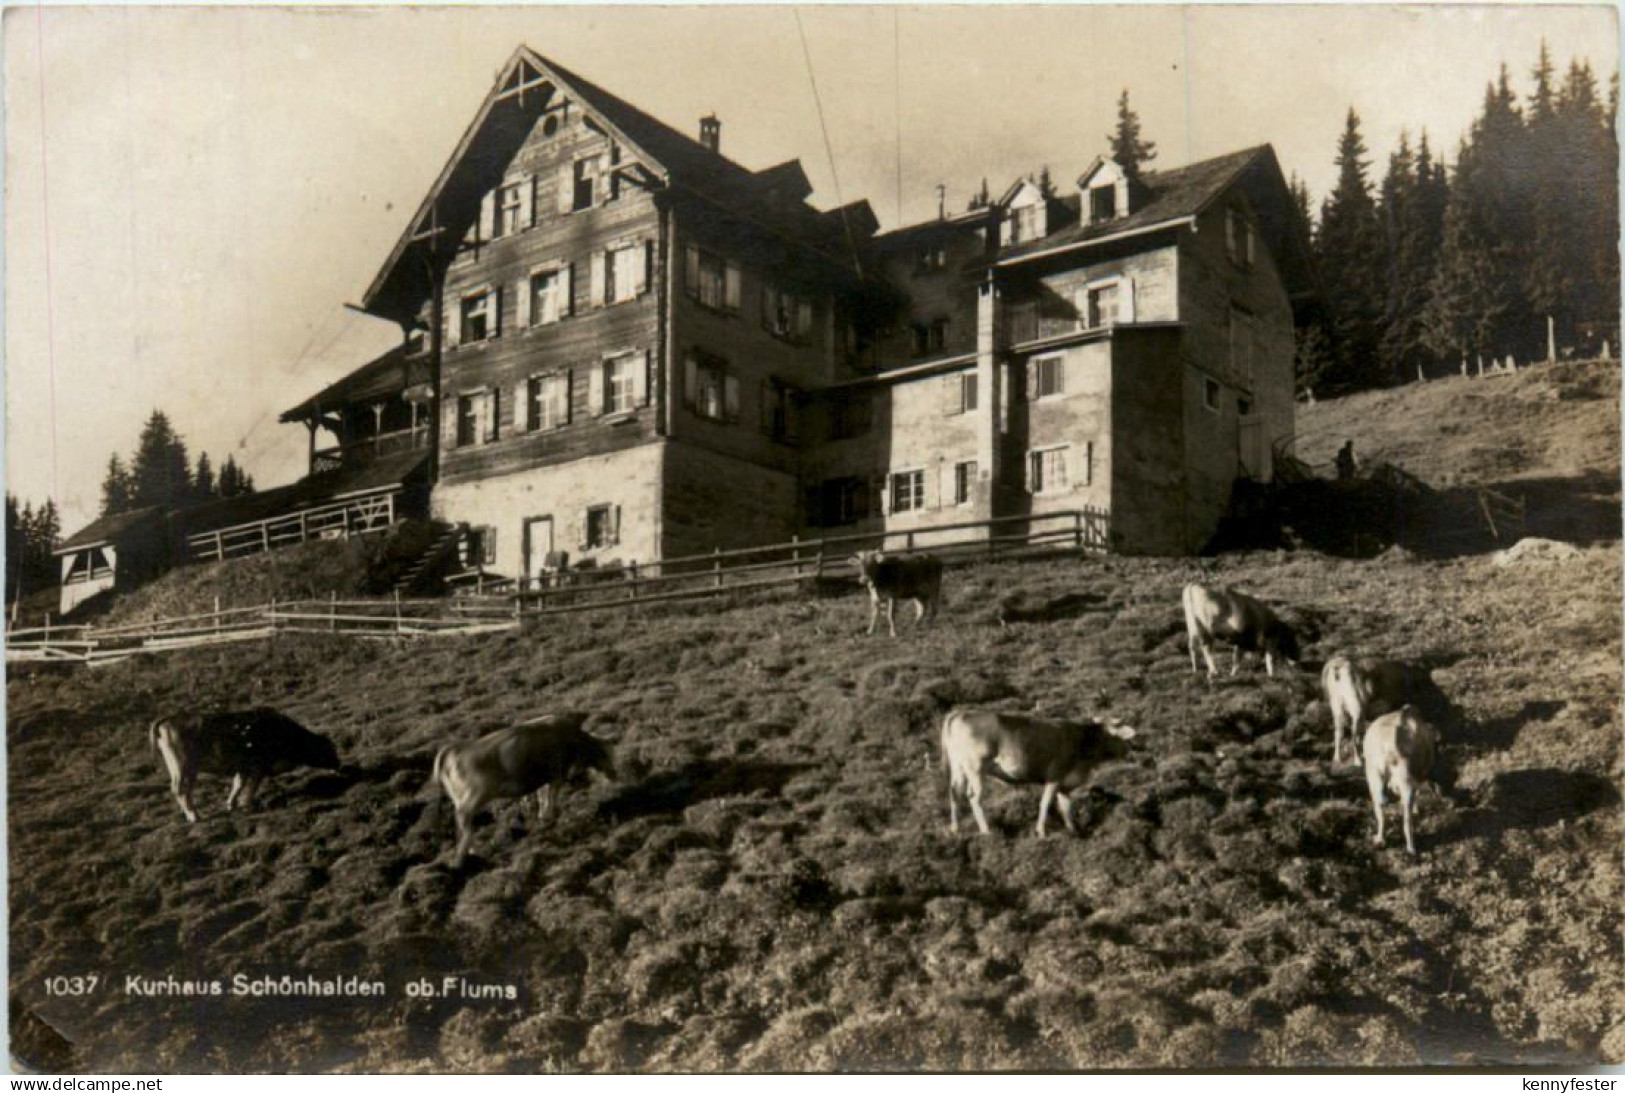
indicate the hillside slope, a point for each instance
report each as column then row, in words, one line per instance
column 771, row 885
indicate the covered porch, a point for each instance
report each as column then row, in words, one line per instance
column 381, row 409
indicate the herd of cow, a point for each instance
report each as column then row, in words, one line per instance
column 542, row 755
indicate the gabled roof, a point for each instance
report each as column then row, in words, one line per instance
column 525, row 87
column 1178, row 195
column 380, row 378
column 108, row 529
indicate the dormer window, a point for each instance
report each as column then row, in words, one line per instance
column 1102, row 203
column 1026, row 223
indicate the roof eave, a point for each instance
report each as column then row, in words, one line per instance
column 1096, row 241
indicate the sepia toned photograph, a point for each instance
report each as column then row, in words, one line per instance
column 571, row 539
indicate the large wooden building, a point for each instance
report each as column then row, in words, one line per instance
column 620, row 345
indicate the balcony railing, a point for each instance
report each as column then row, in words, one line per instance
column 365, row 451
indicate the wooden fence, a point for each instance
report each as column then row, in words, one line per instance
column 352, row 516
column 698, row 575
column 608, row 589
column 391, row 618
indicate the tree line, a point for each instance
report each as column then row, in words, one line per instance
column 31, row 535
column 160, row 474
column 1435, row 267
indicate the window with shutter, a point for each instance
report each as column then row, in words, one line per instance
column 1046, row 376
column 731, row 287
column 601, row 527
column 510, row 209
column 620, row 382
column 584, row 183
column 546, row 296
column 907, row 491
column 964, row 482
column 549, row 402
column 1046, row 470
column 624, row 273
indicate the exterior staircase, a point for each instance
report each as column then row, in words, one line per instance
column 432, row 561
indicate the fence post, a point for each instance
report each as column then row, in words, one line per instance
column 908, row 543
column 716, row 565
column 304, row 526
column 270, row 614
column 795, row 553
column 397, row 612
column 217, row 614
column 1077, row 529
column 333, row 612
column 632, row 568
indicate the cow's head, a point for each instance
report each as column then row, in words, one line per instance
column 595, row 754
column 868, row 563
column 319, row 752
column 1282, row 640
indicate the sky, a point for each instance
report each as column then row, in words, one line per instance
column 193, row 195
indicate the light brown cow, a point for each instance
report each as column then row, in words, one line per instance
column 1022, row 750
column 1239, row 619
column 538, row 756
column 1399, row 752
column 1358, row 689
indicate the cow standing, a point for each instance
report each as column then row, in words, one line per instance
column 918, row 578
column 1360, row 689
column 1400, row 749
column 536, row 757
column 1239, row 619
column 249, row 745
column 1022, row 750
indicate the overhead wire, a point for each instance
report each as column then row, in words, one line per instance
column 829, row 150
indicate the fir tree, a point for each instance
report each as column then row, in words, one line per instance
column 117, row 487
column 1349, row 249
column 233, row 482
column 203, row 485
column 159, row 470
column 1129, row 150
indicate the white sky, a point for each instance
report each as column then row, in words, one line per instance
column 209, row 187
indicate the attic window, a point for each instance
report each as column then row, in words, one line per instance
column 551, row 125
column 930, row 258
column 1238, row 238
column 586, row 181
column 1027, row 222
column 509, row 205
column 1102, row 203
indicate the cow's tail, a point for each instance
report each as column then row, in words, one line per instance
column 152, row 733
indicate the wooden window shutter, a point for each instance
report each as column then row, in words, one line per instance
column 1032, row 464
column 691, row 381
column 532, row 191
column 524, row 295
column 454, row 322
column 567, row 289
column 567, row 185
column 494, row 307
column 1032, row 379
column 730, row 397
column 569, row 375
column 488, row 216
column 640, row 379
column 493, row 411
column 615, row 524
column 598, row 396
column 1128, row 300
column 596, row 274
column 646, row 269
column 691, row 271
column 731, row 287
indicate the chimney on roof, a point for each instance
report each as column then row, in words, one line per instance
column 711, row 133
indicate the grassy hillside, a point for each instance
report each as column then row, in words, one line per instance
column 771, row 883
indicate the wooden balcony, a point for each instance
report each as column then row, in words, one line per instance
column 358, row 452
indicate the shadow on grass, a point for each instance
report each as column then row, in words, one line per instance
column 1533, row 799
column 1502, row 732
column 1070, row 606
column 698, row 781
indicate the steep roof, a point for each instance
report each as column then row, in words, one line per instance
column 520, row 94
column 1183, row 192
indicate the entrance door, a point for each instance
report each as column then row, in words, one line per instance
column 1251, row 452
column 538, row 545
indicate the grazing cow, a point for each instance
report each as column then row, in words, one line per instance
column 1359, row 689
column 537, row 756
column 1399, row 752
column 250, row 745
column 891, row 579
column 1024, row 750
column 1239, row 619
